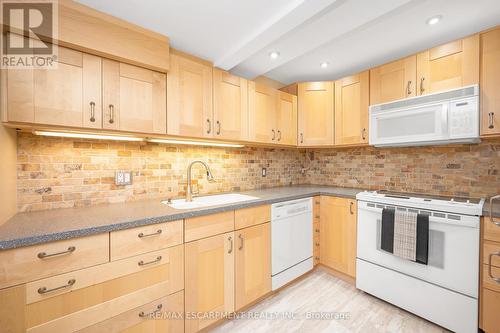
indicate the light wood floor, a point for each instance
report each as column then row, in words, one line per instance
column 321, row 292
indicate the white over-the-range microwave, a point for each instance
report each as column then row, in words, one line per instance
column 446, row 117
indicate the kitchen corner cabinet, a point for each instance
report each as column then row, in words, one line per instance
column 338, row 227
column 230, row 98
column 351, row 109
column 449, row 66
column 189, row 97
column 253, row 264
column 134, row 98
column 262, row 108
column 490, row 83
column 392, row 81
column 316, row 114
column 209, row 279
column 65, row 96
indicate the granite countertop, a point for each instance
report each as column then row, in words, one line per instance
column 32, row 228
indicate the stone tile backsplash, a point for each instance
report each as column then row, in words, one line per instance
column 56, row 172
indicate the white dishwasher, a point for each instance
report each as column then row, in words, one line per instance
column 292, row 240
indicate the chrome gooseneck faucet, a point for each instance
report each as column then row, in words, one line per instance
column 210, row 178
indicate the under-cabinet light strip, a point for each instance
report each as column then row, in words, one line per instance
column 195, row 143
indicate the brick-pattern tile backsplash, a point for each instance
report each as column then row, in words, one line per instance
column 455, row 170
column 56, row 172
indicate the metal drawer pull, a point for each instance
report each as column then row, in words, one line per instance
column 279, row 135
column 209, row 126
column 422, row 89
column 218, row 127
column 408, row 88
column 111, row 113
column 491, row 119
column 44, row 290
column 490, row 273
column 92, row 112
column 142, row 263
column 143, row 235
column 274, row 135
column 301, row 137
column 150, row 314
column 241, row 239
column 317, row 216
column 316, row 230
column 363, row 134
column 43, row 255
column 230, row 239
column 491, row 210
column 350, row 207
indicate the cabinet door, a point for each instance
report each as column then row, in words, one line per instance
column 253, row 264
column 393, row 81
column 189, row 98
column 286, row 126
column 209, row 278
column 490, row 307
column 262, row 107
column 68, row 95
column 490, row 83
column 316, row 113
column 351, row 109
column 338, row 234
column 230, row 106
column 134, row 98
column 448, row 66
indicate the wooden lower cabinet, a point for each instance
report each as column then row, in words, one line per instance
column 490, row 305
column 338, row 234
column 209, row 280
column 253, row 264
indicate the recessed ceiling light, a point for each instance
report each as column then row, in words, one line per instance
column 274, row 55
column 324, row 64
column 434, row 20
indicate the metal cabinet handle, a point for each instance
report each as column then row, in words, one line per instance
column 422, row 89
column 241, row 244
column 152, row 313
column 490, row 273
column 351, row 204
column 230, row 239
column 316, row 216
column 156, row 233
column 317, row 202
column 44, row 290
column 408, row 88
column 92, row 112
column 218, row 127
column 363, row 134
column 316, row 230
column 142, row 263
column 301, row 137
column 491, row 210
column 274, row 134
column 43, row 255
column 491, row 119
column 111, row 113
column 209, row 123
column 279, row 135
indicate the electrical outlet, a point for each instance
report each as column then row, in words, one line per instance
column 123, row 178
column 264, row 172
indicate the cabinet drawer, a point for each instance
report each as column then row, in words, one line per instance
column 490, row 307
column 491, row 230
column 151, row 317
column 248, row 217
column 209, row 225
column 488, row 281
column 489, row 248
column 39, row 261
column 130, row 242
column 103, row 292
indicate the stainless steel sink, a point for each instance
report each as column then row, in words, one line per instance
column 210, row 200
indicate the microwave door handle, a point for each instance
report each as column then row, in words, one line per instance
column 445, row 126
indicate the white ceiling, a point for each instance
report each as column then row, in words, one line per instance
column 351, row 35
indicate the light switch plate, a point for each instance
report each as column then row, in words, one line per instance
column 123, row 178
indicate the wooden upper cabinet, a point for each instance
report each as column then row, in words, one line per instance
column 490, row 82
column 134, row 98
column 209, row 278
column 67, row 95
column 230, row 106
column 396, row 80
column 338, row 234
column 316, row 113
column 351, row 109
column 189, row 97
column 286, row 122
column 253, row 264
column 448, row 66
column 262, row 108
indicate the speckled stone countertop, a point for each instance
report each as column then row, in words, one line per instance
column 46, row 226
